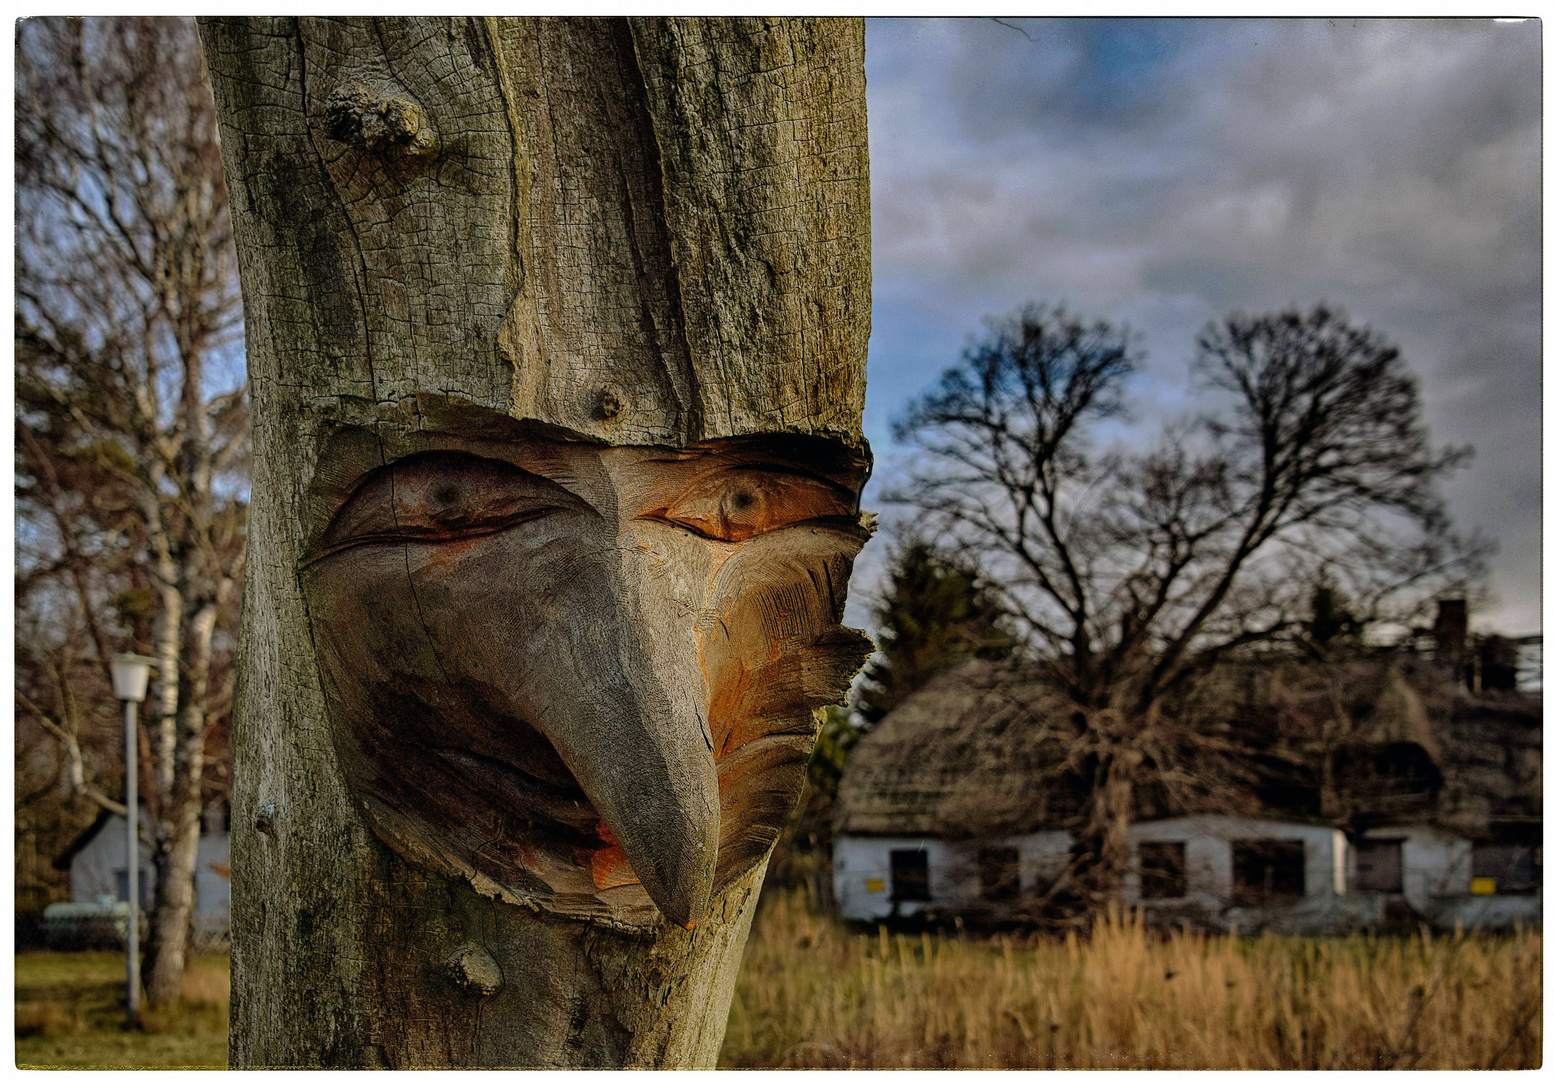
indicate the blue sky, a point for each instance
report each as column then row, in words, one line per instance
column 1165, row 172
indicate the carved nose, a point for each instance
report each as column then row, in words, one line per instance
column 640, row 755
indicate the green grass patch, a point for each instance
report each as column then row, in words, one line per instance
column 70, row 1015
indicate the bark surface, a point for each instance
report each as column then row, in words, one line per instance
column 460, row 241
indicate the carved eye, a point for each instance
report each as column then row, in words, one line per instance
column 736, row 504
column 443, row 496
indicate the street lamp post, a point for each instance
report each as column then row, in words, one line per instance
column 130, row 675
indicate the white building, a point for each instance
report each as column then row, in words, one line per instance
column 948, row 806
column 1243, row 873
column 1209, row 872
column 99, row 870
column 881, row 877
column 1447, row 879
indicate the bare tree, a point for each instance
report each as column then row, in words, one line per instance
column 1134, row 573
column 132, row 434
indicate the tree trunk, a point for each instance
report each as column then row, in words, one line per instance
column 169, row 633
column 175, row 857
column 1104, row 837
column 178, row 835
column 556, row 337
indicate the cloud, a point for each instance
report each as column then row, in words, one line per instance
column 1164, row 172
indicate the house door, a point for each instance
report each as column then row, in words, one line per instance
column 1378, row 866
column 909, row 874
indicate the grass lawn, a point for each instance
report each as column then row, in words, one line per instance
column 70, row 1015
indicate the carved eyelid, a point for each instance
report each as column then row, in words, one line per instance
column 738, row 503
column 398, row 501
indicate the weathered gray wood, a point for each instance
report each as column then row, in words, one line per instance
column 491, row 266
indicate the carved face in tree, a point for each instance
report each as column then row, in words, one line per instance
column 582, row 676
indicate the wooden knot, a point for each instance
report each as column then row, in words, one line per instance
column 472, row 968
column 609, row 405
column 378, row 124
column 264, row 820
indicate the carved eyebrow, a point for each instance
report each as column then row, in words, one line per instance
column 789, row 468
column 813, row 456
column 723, row 462
column 448, row 458
column 478, row 467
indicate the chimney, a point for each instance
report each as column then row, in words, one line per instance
column 1451, row 634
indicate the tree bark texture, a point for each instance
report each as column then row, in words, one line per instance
column 556, row 334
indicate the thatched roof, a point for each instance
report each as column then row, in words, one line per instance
column 1493, row 746
column 984, row 750
column 961, row 757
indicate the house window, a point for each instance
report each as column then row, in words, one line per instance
column 121, row 886
column 1264, row 871
column 909, row 874
column 1378, row 866
column 1512, row 867
column 999, row 871
column 1162, row 871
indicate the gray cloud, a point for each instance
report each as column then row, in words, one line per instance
column 1165, row 172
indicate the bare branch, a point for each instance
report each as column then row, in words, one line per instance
column 76, row 770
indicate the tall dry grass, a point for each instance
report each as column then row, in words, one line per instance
column 814, row 994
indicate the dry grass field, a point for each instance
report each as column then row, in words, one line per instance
column 813, row 994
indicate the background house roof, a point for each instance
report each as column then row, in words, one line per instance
column 986, row 750
column 964, row 756
column 63, row 860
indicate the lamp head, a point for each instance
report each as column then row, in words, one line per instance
column 130, row 675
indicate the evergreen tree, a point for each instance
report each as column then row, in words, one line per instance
column 935, row 612
column 803, row 852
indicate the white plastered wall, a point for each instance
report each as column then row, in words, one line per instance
column 1209, row 839
column 1435, row 863
column 861, row 869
